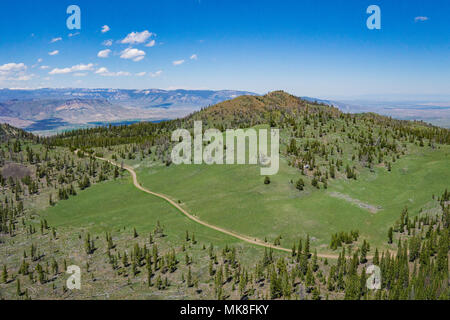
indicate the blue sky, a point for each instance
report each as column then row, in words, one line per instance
column 314, row 48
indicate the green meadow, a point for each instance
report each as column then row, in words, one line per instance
column 118, row 207
column 235, row 197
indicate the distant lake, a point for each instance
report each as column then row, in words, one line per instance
column 121, row 123
column 59, row 124
column 47, row 124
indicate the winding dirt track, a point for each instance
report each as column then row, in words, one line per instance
column 245, row 238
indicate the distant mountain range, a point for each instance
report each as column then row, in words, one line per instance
column 432, row 109
column 59, row 109
column 46, row 111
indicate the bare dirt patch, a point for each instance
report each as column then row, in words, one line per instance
column 359, row 203
column 16, row 171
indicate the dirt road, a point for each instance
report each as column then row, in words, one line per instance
column 245, row 238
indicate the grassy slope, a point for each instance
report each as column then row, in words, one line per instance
column 118, row 207
column 113, row 206
column 235, row 197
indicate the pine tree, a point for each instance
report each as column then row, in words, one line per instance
column 307, row 244
column 4, row 274
column 299, row 250
column 376, row 258
column 316, row 294
column 125, row 260
column 189, row 278
column 390, row 235
column 210, row 268
column 315, row 265
column 300, row 184
column 149, row 275
column 19, row 291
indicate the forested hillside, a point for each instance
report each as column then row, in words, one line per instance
column 315, row 135
column 8, row 132
column 61, row 204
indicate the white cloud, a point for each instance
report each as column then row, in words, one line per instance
column 23, row 78
column 78, row 67
column 151, row 43
column 141, row 74
column 80, row 74
column 82, row 67
column 132, row 53
column 56, row 40
column 37, row 63
column 14, row 72
column 73, row 34
column 107, row 43
column 44, row 67
column 137, row 59
column 105, row 29
column 156, row 74
column 13, row 67
column 104, row 53
column 53, row 53
column 101, row 70
column 60, row 71
column 137, row 37
column 122, row 73
column 178, row 62
column 194, row 57
column 105, row 72
column 420, row 18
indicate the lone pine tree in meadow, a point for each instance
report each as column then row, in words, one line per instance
column 300, row 184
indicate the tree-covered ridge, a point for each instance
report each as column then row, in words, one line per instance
column 321, row 141
column 279, row 109
column 9, row 132
column 30, row 172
